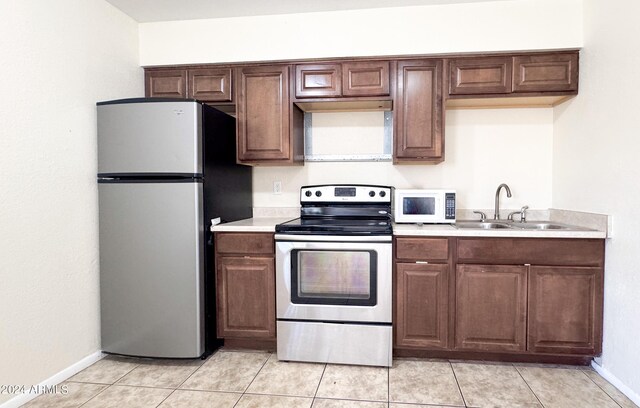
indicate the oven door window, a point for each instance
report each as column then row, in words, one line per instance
column 334, row 277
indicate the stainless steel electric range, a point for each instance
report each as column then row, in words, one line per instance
column 334, row 276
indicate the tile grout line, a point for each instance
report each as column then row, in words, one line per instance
column 196, row 370
column 318, row 387
column 108, row 385
column 603, row 390
column 528, row 386
column 464, row 400
column 254, row 378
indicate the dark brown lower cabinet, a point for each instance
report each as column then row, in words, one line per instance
column 422, row 305
column 246, row 297
column 491, row 307
column 565, row 310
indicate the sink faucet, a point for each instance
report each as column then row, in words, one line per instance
column 496, row 215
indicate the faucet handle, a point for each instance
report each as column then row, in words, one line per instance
column 523, row 213
column 483, row 216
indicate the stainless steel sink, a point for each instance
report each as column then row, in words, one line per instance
column 529, row 225
column 543, row 226
column 481, row 225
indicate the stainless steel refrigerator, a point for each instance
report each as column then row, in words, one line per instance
column 166, row 167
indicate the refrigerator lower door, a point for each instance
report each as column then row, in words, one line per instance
column 151, row 269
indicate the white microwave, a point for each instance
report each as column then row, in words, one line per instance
column 425, row 206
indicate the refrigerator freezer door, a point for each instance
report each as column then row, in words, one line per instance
column 151, row 269
column 150, row 137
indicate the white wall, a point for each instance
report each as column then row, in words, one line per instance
column 57, row 58
column 484, row 148
column 596, row 168
column 487, row 26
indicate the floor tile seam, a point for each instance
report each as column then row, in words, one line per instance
column 602, row 389
column 165, row 398
column 257, row 373
column 349, row 399
column 464, row 400
column 315, row 394
column 278, row 395
column 192, row 374
column 528, row 386
column 95, row 396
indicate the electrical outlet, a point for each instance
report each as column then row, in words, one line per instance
column 277, row 187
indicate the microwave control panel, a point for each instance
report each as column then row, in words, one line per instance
column 450, row 206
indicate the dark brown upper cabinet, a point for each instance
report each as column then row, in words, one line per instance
column 546, row 73
column 418, row 113
column 210, row 85
column 365, row 78
column 270, row 127
column 171, row 83
column 318, row 80
column 490, row 75
column 347, row 79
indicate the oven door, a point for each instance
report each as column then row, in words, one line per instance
column 334, row 281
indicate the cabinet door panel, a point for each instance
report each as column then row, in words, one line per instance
column 263, row 114
column 491, row 302
column 210, row 85
column 480, row 76
column 418, row 112
column 546, row 73
column 166, row 83
column 565, row 310
column 422, row 305
column 318, row 80
column 246, row 297
column 370, row 78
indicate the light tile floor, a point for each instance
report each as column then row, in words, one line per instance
column 246, row 379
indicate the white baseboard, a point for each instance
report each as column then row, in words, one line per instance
column 68, row 372
column 616, row 383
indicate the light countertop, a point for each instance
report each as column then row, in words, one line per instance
column 268, row 224
column 256, row 224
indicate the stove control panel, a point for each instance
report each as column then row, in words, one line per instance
column 334, row 193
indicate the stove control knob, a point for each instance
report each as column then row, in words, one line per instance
column 383, row 193
column 307, row 193
column 372, row 193
column 318, row 193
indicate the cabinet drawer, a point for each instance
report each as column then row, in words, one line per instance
column 318, row 80
column 210, row 85
column 365, row 78
column 545, row 73
column 538, row 251
column 244, row 243
column 166, row 84
column 480, row 76
column 422, row 249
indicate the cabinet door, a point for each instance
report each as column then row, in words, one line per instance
column 166, row 83
column 369, row 78
column 422, row 305
column 263, row 114
column 545, row 73
column 246, row 297
column 210, row 85
column 318, row 80
column 480, row 76
column 565, row 310
column 418, row 112
column 491, row 305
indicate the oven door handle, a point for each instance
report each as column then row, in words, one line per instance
column 333, row 238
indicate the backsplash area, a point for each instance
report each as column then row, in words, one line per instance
column 484, row 147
